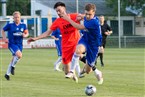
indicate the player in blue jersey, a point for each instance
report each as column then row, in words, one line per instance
column 56, row 35
column 89, row 42
column 16, row 32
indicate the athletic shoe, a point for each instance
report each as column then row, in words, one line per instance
column 7, row 77
column 69, row 75
column 100, row 78
column 73, row 76
column 81, row 75
column 12, row 70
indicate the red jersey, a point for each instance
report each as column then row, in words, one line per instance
column 70, row 36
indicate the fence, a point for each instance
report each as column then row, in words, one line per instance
column 126, row 42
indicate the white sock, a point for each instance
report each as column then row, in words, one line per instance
column 78, row 69
column 58, row 62
column 75, row 62
column 14, row 61
column 96, row 72
column 9, row 69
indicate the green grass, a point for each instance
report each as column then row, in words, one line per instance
column 123, row 75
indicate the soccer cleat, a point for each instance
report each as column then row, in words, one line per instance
column 12, row 70
column 7, row 77
column 81, row 75
column 100, row 81
column 100, row 78
column 69, row 75
column 73, row 76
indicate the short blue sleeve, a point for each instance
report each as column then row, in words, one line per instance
column 6, row 27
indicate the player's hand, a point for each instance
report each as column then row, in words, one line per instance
column 65, row 16
column 30, row 40
column 107, row 33
column 25, row 35
column 56, row 38
column 80, row 17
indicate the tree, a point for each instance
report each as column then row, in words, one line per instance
column 128, row 7
column 17, row 5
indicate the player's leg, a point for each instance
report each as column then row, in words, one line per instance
column 59, row 53
column 91, row 57
column 75, row 60
column 16, row 52
column 57, row 63
column 101, row 51
column 8, row 72
column 16, row 58
column 66, row 68
column 83, row 59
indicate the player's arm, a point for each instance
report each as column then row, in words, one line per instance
column 4, row 36
column 74, row 24
column 109, row 29
column 45, row 34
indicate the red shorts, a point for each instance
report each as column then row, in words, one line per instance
column 67, row 54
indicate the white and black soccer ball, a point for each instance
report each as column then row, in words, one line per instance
column 90, row 90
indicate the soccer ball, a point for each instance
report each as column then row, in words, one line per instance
column 90, row 90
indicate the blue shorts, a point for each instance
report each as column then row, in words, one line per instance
column 14, row 48
column 91, row 52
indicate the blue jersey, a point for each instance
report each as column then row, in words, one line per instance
column 92, row 33
column 57, row 34
column 15, row 32
column 91, row 39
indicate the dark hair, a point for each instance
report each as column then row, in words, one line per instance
column 59, row 4
column 90, row 6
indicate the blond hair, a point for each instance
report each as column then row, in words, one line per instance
column 16, row 12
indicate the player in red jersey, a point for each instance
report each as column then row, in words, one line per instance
column 70, row 35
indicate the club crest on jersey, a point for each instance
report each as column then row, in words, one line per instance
column 22, row 29
column 17, row 29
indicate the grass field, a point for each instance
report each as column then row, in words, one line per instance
column 123, row 75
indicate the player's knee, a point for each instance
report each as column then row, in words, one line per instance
column 80, row 49
column 19, row 55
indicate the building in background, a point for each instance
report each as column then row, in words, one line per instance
column 43, row 14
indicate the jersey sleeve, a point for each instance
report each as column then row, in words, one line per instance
column 6, row 27
column 54, row 25
column 92, row 24
column 74, row 17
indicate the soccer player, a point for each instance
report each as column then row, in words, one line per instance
column 106, row 30
column 16, row 32
column 56, row 35
column 89, row 42
column 70, row 35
